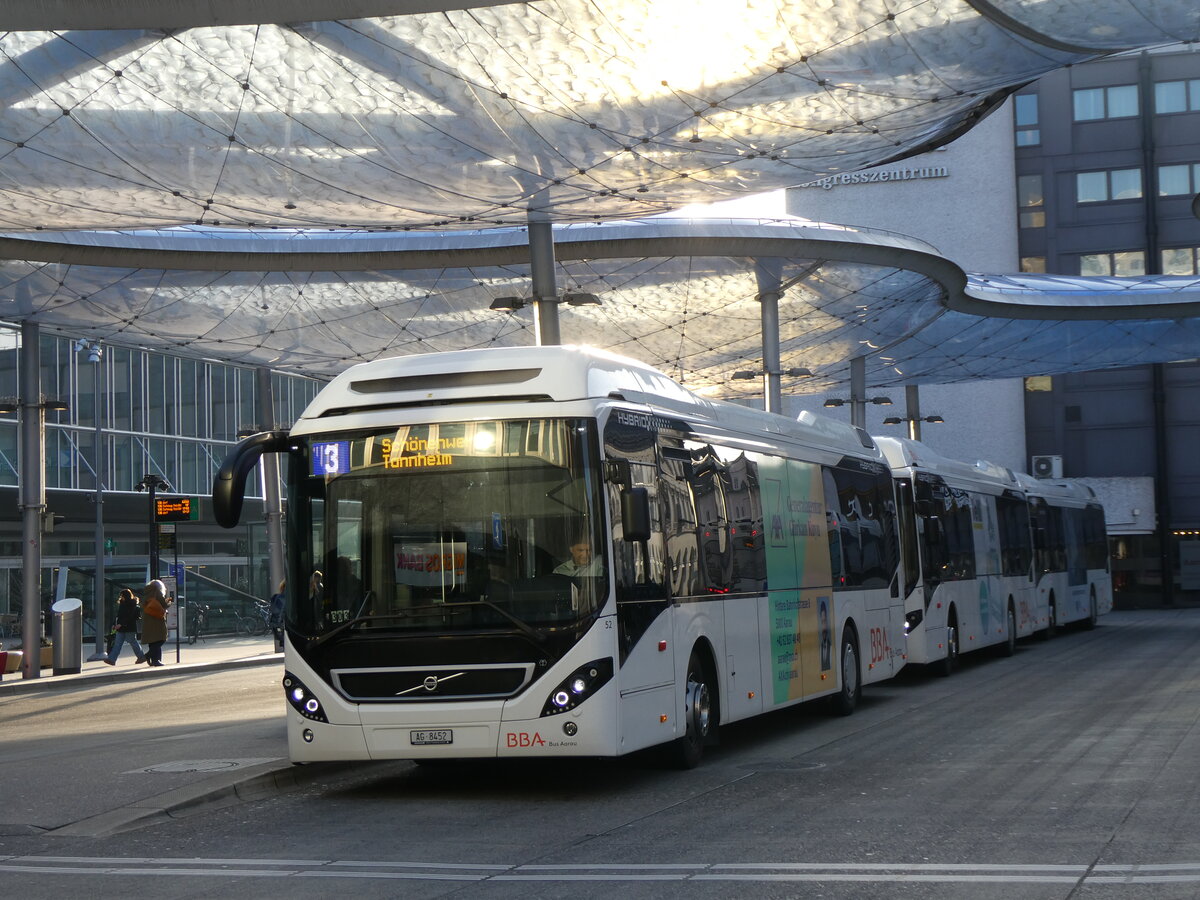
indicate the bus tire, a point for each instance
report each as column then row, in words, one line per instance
column 1009, row 647
column 946, row 666
column 700, row 714
column 1093, row 613
column 844, row 702
column 1051, row 621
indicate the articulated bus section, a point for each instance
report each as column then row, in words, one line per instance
column 990, row 555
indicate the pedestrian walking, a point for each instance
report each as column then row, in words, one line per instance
column 128, row 614
column 154, row 624
column 275, row 619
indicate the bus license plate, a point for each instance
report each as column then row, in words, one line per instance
column 441, row 736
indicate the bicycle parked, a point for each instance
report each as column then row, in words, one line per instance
column 257, row 621
column 199, row 623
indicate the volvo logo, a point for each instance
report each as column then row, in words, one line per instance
column 430, row 683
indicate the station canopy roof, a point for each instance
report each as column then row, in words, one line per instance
column 203, row 179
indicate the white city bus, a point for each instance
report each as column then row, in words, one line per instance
column 968, row 555
column 552, row 551
column 1071, row 561
column 990, row 556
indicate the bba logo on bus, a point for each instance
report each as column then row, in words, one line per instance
column 523, row 739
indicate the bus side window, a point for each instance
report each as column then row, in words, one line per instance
column 679, row 524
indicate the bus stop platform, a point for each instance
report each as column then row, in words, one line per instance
column 211, row 653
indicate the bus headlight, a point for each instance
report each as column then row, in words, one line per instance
column 301, row 699
column 578, row 686
column 912, row 620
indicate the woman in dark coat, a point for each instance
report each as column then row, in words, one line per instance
column 128, row 613
column 154, row 620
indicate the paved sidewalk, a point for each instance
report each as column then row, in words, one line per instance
column 206, row 655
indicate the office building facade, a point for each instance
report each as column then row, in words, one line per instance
column 1108, row 164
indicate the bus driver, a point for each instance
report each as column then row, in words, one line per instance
column 582, row 562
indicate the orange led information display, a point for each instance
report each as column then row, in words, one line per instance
column 176, row 509
column 422, row 453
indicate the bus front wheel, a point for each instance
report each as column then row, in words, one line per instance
column 1009, row 647
column 700, row 715
column 947, row 665
column 1051, row 621
column 849, row 692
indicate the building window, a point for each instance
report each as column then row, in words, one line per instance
column 1038, row 383
column 1030, row 200
column 1115, row 184
column 1177, row 96
column 1181, row 261
column 1033, row 264
column 1178, row 180
column 1106, row 103
column 1025, row 113
column 1125, row 262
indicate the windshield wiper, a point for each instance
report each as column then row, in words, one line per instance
column 525, row 627
column 358, row 620
column 342, row 627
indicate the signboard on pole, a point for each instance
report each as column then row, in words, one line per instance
column 176, row 509
column 178, row 571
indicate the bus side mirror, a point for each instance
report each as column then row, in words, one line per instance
column 635, row 514
column 229, row 485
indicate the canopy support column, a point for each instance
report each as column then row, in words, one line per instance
column 912, row 410
column 541, row 268
column 858, row 392
column 32, row 478
column 767, row 273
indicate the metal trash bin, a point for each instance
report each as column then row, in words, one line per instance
column 68, row 636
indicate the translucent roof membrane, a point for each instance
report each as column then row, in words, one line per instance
column 288, row 152
column 470, row 117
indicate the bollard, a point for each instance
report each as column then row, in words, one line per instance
column 68, row 636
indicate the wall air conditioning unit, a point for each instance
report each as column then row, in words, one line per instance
column 1047, row 467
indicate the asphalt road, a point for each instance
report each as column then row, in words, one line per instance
column 1066, row 771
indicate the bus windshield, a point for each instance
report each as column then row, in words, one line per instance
column 449, row 527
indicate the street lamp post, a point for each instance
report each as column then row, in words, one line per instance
column 914, row 423
column 95, row 355
column 858, row 407
column 912, row 400
column 772, row 391
column 153, row 483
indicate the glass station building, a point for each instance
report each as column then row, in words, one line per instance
column 159, row 415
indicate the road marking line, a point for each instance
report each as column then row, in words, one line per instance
column 781, row 872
